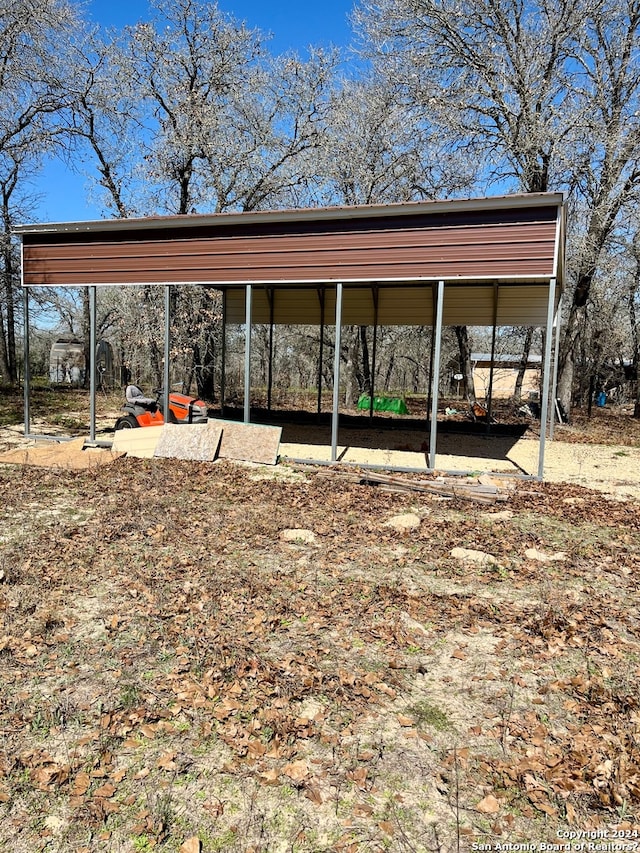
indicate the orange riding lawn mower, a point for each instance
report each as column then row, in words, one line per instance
column 144, row 411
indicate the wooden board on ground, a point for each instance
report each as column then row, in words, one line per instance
column 63, row 454
column 140, row 442
column 199, row 442
column 249, row 442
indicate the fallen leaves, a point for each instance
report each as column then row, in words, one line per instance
column 228, row 653
column 488, row 805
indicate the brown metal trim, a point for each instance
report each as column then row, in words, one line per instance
column 469, row 252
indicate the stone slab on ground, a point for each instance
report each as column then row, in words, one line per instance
column 199, row 442
column 248, row 442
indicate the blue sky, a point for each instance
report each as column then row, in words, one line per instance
column 293, row 24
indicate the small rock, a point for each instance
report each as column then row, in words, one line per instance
column 504, row 515
column 408, row 521
column 541, row 557
column 469, row 555
column 299, row 535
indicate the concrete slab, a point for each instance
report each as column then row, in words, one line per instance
column 384, row 458
column 315, row 452
column 199, row 442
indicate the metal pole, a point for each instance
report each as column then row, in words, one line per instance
column 26, row 369
column 554, row 389
column 223, row 366
column 433, row 341
column 545, row 378
column 493, row 355
column 336, row 374
column 271, row 297
column 374, row 293
column 437, row 330
column 167, row 345
column 92, row 363
column 247, row 355
column 321, row 296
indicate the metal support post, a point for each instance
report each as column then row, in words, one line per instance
column 26, row 368
column 223, row 356
column 167, row 351
column 321, row 297
column 372, row 390
column 556, row 355
column 92, row 363
column 336, row 374
column 434, row 298
column 545, row 378
column 271, row 295
column 437, row 330
column 247, row 354
column 493, row 356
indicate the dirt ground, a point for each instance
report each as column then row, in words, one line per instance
column 601, row 452
column 220, row 658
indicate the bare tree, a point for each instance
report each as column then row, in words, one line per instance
column 378, row 148
column 606, row 175
column 188, row 65
column 632, row 297
column 34, row 104
column 267, row 156
column 543, row 95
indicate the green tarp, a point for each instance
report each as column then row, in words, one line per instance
column 383, row 404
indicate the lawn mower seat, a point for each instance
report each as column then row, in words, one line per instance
column 136, row 397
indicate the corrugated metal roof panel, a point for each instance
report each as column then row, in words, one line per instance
column 397, row 305
column 514, row 302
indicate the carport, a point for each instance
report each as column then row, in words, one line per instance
column 489, row 261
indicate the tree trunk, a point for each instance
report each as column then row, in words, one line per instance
column 366, row 368
column 205, row 375
column 351, row 347
column 526, row 349
column 155, row 354
column 8, row 360
column 4, row 361
column 86, row 336
column 464, row 347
